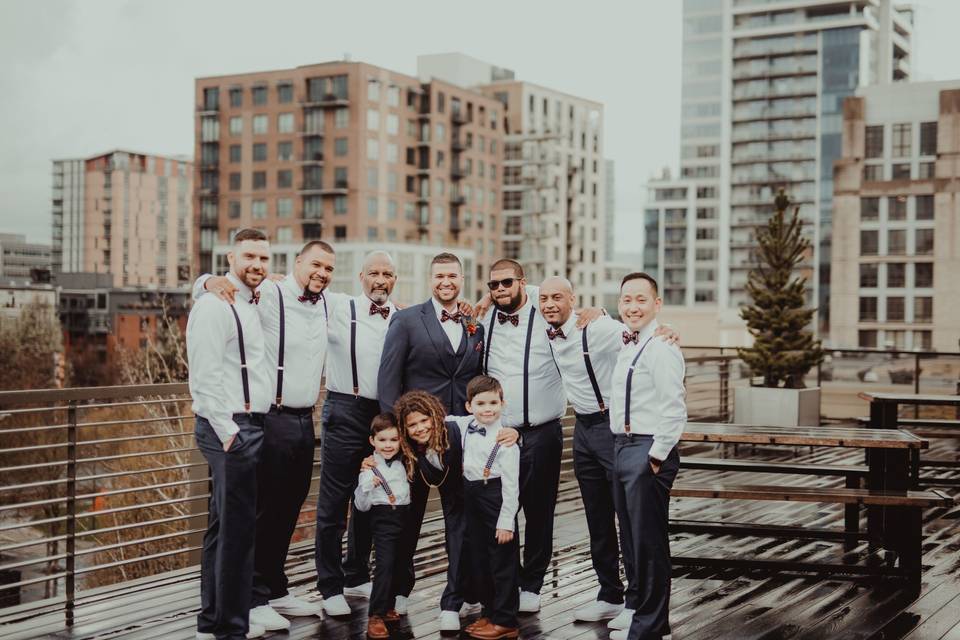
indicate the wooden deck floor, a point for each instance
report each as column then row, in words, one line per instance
column 705, row 603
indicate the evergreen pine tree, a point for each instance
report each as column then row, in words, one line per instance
column 783, row 350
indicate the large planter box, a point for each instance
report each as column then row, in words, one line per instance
column 777, row 407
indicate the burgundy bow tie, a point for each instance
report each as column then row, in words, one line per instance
column 629, row 337
column 255, row 299
column 558, row 333
column 444, row 316
column 309, row 296
column 513, row 318
column 383, row 311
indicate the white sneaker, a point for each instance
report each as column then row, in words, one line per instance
column 336, row 606
column 449, row 621
column 470, row 608
column 622, row 621
column 619, row 634
column 400, row 605
column 359, row 591
column 291, row 605
column 255, row 631
column 596, row 611
column 529, row 602
column 266, row 617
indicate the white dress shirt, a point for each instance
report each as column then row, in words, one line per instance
column 657, row 403
column 506, row 345
column 305, row 338
column 213, row 356
column 371, row 331
column 604, row 341
column 454, row 330
column 369, row 494
column 506, row 465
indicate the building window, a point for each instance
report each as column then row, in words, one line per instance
column 284, row 179
column 285, row 151
column 923, row 340
column 234, row 182
column 284, row 207
column 868, row 275
column 371, row 233
column 900, row 143
column 236, row 126
column 873, row 142
column 926, row 170
column 373, row 90
column 393, row 154
column 409, row 211
column 393, row 96
column 923, row 309
column 928, row 138
column 340, row 205
column 341, row 118
column 373, row 149
column 340, row 232
column 260, row 124
column 373, row 120
column 258, row 208
column 259, row 180
column 923, row 242
column 372, row 207
column 259, row 95
column 896, row 275
column 869, row 243
column 236, row 97
column 284, row 235
column 896, row 242
column 924, row 208
column 706, row 213
column 869, row 209
column 233, row 209
column 340, row 177
column 897, row 208
column 284, row 93
column 708, row 233
column 900, row 171
column 236, row 153
column 867, row 339
column 895, row 309
column 373, row 178
column 868, row 309
column 260, row 152
column 392, row 209
column 340, row 147
column 393, row 124
column 873, row 173
column 285, row 123
column 923, row 274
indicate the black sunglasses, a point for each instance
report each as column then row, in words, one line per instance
column 493, row 285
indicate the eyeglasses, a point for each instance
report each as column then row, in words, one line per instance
column 493, row 285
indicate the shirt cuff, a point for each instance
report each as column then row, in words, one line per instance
column 505, row 522
column 225, row 430
column 659, row 450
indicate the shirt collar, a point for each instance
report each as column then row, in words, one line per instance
column 647, row 331
column 569, row 327
column 245, row 292
column 290, row 282
column 364, row 299
column 438, row 308
column 495, row 426
column 380, row 460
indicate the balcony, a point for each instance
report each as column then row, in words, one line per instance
column 423, row 170
column 311, row 133
column 328, row 100
column 314, row 157
column 456, row 145
column 455, row 225
column 209, row 190
column 457, row 201
column 458, row 119
column 456, row 172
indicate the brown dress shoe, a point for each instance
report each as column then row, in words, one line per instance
column 478, row 624
column 391, row 616
column 494, row 632
column 376, row 629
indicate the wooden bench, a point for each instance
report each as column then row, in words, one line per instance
column 924, row 427
column 907, row 542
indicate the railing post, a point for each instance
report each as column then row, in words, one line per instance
column 724, row 390
column 916, row 382
column 71, row 542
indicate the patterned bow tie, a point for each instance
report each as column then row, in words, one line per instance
column 513, row 318
column 383, row 311
column 555, row 333
column 390, row 461
column 444, row 316
column 255, row 299
column 473, row 428
column 309, row 296
column 629, row 337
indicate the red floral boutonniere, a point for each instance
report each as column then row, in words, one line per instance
column 471, row 327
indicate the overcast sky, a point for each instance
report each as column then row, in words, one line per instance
column 82, row 77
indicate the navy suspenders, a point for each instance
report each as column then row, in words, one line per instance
column 626, row 407
column 243, row 362
column 590, row 372
column 353, row 347
column 526, row 361
column 280, row 353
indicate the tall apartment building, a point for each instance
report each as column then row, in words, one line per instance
column 125, row 214
column 763, row 85
column 22, row 261
column 554, row 184
column 897, row 219
column 346, row 151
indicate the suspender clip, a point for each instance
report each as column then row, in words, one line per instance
column 280, row 368
column 279, row 402
column 626, row 428
column 246, row 407
column 243, row 365
column 356, row 392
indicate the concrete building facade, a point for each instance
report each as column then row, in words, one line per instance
column 126, row 214
column 896, row 243
column 348, row 152
column 23, row 262
column 554, row 182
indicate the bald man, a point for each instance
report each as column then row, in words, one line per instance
column 357, row 327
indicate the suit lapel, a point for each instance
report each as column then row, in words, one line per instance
column 437, row 335
column 470, row 342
